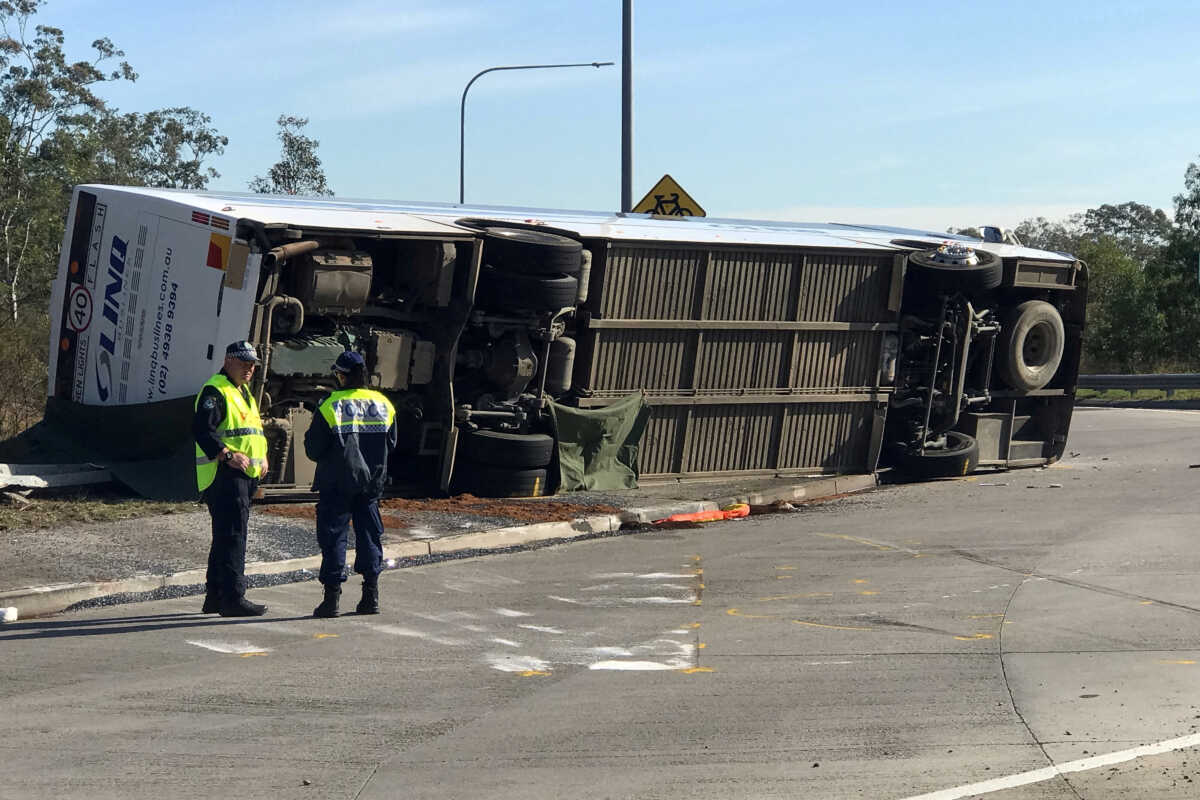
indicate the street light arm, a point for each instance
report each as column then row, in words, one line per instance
column 462, row 111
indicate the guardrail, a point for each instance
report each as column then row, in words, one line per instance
column 1132, row 383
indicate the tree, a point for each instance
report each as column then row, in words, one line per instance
column 41, row 93
column 164, row 149
column 299, row 170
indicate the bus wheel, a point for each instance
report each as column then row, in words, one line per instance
column 531, row 252
column 503, row 449
column 955, row 269
column 1032, row 341
column 482, row 480
column 510, row 290
column 959, row 456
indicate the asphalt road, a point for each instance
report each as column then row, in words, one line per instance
column 1031, row 634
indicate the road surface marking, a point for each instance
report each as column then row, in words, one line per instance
column 541, row 629
column 325, row 635
column 694, row 670
column 232, row 648
column 1048, row 773
column 1177, row 661
column 508, row 612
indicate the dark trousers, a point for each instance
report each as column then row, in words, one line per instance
column 335, row 511
column 228, row 500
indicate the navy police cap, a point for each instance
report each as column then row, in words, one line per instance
column 348, row 361
column 242, row 351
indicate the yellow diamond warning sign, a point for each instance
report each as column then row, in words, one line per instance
column 668, row 199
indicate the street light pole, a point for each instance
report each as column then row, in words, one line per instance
column 626, row 105
column 462, row 114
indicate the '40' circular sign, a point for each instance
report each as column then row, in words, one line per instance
column 79, row 308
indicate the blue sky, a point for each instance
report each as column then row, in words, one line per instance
column 919, row 113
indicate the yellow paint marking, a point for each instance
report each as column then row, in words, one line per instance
column 698, row 571
column 733, row 612
column 1177, row 661
column 831, row 627
column 325, row 635
column 694, row 670
column 700, row 586
column 854, row 539
column 1059, row 466
column 697, row 602
column 784, row 577
column 701, row 646
column 920, row 555
column 861, row 580
column 696, row 558
column 784, row 568
column 974, row 637
column 530, row 673
column 252, row 655
column 809, row 596
column 692, row 625
column 868, row 593
column 1146, row 603
column 970, row 480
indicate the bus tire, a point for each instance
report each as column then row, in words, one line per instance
column 483, row 480
column 938, row 278
column 959, row 457
column 500, row 291
column 531, row 252
column 1032, row 342
column 504, row 449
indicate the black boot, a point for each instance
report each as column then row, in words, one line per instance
column 370, row 598
column 239, row 606
column 212, row 602
column 329, row 606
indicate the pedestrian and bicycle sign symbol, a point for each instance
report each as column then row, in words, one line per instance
column 668, row 199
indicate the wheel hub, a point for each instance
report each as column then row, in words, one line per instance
column 958, row 255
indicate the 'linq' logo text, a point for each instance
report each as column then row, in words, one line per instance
column 112, row 307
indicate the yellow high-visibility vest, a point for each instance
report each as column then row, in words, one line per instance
column 358, row 411
column 241, row 431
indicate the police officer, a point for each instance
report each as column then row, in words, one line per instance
column 351, row 437
column 231, row 456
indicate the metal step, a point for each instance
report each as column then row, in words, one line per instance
column 1023, row 449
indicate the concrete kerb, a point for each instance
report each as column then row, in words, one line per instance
column 43, row 600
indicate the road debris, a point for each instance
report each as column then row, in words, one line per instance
column 735, row 511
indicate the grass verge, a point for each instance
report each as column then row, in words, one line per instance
column 84, row 506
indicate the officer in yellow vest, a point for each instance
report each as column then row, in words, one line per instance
column 231, row 457
column 351, row 438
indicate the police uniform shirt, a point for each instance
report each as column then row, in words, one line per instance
column 210, row 412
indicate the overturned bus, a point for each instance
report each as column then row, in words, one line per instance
column 738, row 347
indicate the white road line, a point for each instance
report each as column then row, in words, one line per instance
column 1047, row 773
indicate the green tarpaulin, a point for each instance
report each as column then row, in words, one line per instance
column 598, row 447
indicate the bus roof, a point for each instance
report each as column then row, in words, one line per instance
column 442, row 218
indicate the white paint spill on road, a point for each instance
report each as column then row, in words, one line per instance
column 509, row 612
column 611, row 652
column 635, row 666
column 541, row 629
column 236, row 648
column 656, row 600
column 506, row 662
column 1049, row 773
